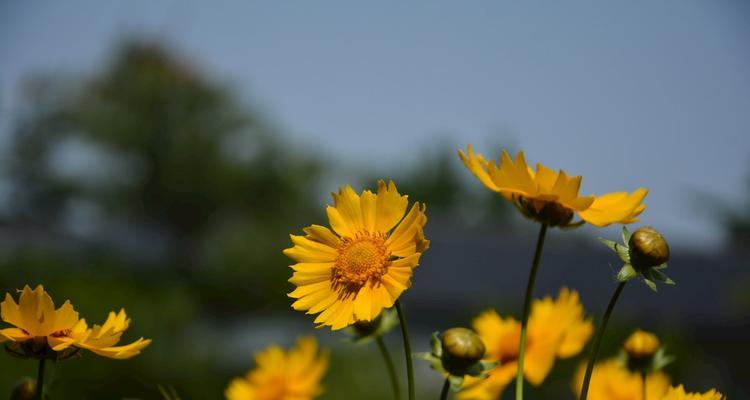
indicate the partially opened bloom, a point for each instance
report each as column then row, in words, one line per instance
column 41, row 331
column 611, row 380
column 280, row 375
column 558, row 328
column 361, row 266
column 679, row 393
column 552, row 197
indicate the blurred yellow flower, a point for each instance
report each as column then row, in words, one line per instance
column 552, row 197
column 612, row 381
column 641, row 344
column 41, row 331
column 679, row 393
column 353, row 272
column 279, row 375
column 558, row 328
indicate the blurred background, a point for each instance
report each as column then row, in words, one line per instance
column 156, row 155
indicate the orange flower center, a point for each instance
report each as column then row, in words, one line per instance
column 361, row 260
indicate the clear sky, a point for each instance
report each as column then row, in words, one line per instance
column 626, row 93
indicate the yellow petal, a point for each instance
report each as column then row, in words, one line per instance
column 390, row 207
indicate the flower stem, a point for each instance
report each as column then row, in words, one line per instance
column 407, row 351
column 526, row 307
column 444, row 392
column 40, row 380
column 390, row 367
column 643, row 385
column 598, row 340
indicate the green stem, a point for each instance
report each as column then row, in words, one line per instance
column 643, row 385
column 526, row 309
column 598, row 341
column 40, row 380
column 407, row 351
column 390, row 367
column 444, row 392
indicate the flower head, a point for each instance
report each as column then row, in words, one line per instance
column 280, row 375
column 611, row 380
column 679, row 393
column 557, row 328
column 361, row 266
column 457, row 353
column 552, row 197
column 641, row 344
column 41, row 331
column 640, row 252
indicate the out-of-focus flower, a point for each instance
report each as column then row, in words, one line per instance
column 611, row 380
column 280, row 375
column 353, row 272
column 641, row 344
column 41, row 331
column 644, row 253
column 558, row 328
column 552, row 197
column 679, row 393
column 643, row 352
column 24, row 390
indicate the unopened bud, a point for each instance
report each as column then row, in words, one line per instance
column 648, row 248
column 461, row 348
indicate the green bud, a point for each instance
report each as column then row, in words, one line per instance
column 24, row 390
column 461, row 348
column 648, row 248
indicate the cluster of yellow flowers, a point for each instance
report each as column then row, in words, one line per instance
column 349, row 273
column 352, row 274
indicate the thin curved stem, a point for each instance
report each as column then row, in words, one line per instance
column 444, row 392
column 407, row 351
column 598, row 340
column 391, row 369
column 40, row 380
column 643, row 386
column 526, row 309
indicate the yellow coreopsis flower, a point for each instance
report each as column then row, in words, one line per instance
column 552, row 197
column 641, row 344
column 611, row 380
column 679, row 393
column 353, row 272
column 41, row 331
column 558, row 328
column 280, row 375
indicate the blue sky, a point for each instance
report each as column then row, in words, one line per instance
column 627, row 93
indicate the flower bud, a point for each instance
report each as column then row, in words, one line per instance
column 461, row 348
column 24, row 390
column 641, row 344
column 648, row 248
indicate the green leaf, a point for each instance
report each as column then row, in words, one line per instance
column 436, row 345
column 625, row 234
column 456, row 382
column 612, row 245
column 650, row 284
column 660, row 276
column 627, row 272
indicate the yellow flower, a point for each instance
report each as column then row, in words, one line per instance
column 279, row 375
column 552, row 197
column 352, row 273
column 41, row 331
column 641, row 344
column 612, row 381
column 557, row 329
column 679, row 393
